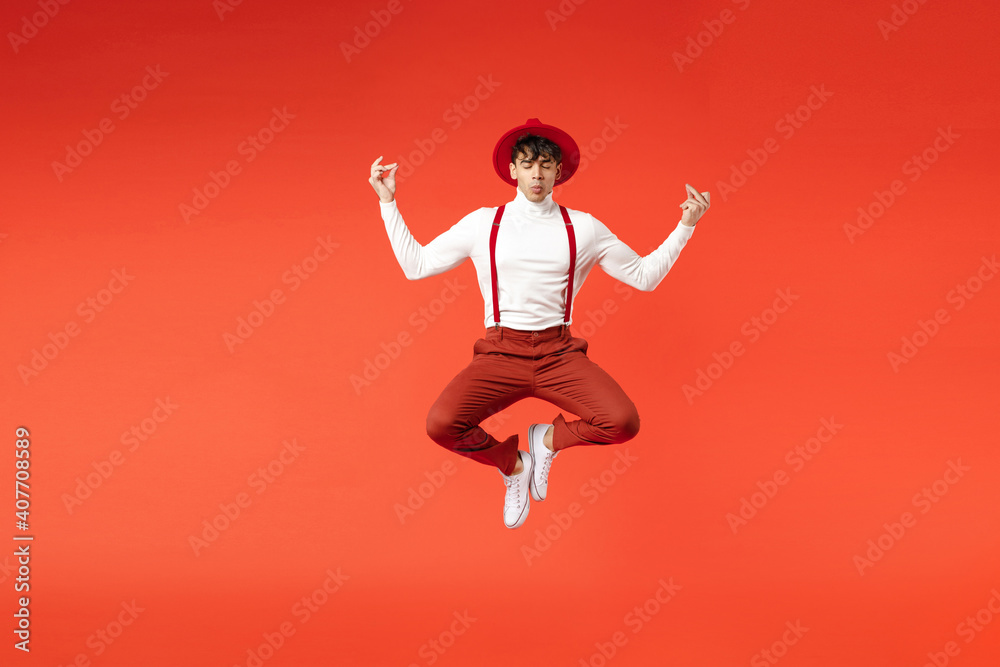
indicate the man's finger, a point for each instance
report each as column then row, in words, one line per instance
column 375, row 163
column 693, row 192
column 388, row 171
column 699, row 197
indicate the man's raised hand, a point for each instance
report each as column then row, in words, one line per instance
column 383, row 179
column 694, row 206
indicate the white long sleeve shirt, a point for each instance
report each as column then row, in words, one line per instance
column 532, row 257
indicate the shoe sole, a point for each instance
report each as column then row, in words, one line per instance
column 530, row 465
column 537, row 497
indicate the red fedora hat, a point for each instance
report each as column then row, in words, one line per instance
column 570, row 151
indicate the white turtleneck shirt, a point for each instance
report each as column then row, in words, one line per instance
column 532, row 257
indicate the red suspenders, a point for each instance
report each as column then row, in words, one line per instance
column 572, row 262
column 493, row 264
column 493, row 267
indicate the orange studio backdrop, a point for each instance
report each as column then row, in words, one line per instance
column 216, row 377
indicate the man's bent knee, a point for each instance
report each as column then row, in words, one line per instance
column 441, row 427
column 630, row 427
column 622, row 426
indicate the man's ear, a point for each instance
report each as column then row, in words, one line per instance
column 513, row 170
column 558, row 171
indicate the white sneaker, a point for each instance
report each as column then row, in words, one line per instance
column 542, row 456
column 515, row 502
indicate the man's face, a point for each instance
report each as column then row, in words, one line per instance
column 535, row 178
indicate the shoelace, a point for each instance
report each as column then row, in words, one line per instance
column 547, row 460
column 512, row 483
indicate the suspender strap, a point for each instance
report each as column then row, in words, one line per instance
column 572, row 263
column 493, row 265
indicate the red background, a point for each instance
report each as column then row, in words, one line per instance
column 336, row 506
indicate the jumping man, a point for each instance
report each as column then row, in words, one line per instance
column 531, row 257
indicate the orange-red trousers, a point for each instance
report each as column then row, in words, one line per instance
column 508, row 365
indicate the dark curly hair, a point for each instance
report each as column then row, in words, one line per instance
column 535, row 146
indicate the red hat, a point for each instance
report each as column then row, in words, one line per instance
column 570, row 151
